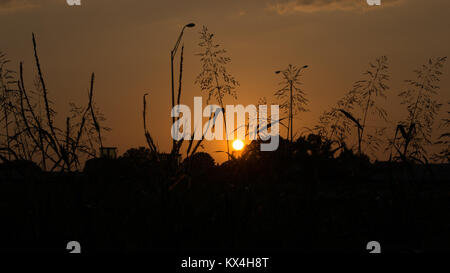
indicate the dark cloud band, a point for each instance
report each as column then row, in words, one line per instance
column 294, row 6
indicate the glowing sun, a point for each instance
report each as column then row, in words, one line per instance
column 238, row 145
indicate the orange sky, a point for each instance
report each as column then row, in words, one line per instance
column 127, row 44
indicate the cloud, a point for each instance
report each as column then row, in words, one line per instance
column 285, row 7
column 15, row 5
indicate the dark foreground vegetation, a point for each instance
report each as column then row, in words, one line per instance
column 314, row 194
column 299, row 198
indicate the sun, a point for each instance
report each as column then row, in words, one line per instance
column 238, row 145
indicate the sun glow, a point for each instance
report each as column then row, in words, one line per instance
column 238, row 145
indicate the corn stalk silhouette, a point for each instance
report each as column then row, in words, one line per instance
column 193, row 145
column 214, row 77
column 7, row 92
column 292, row 97
column 361, row 97
column 444, row 139
column 148, row 137
column 414, row 133
column 35, row 134
column 333, row 125
column 192, row 148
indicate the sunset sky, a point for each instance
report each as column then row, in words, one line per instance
column 127, row 44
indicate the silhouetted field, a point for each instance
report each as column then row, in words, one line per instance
column 315, row 193
column 296, row 199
